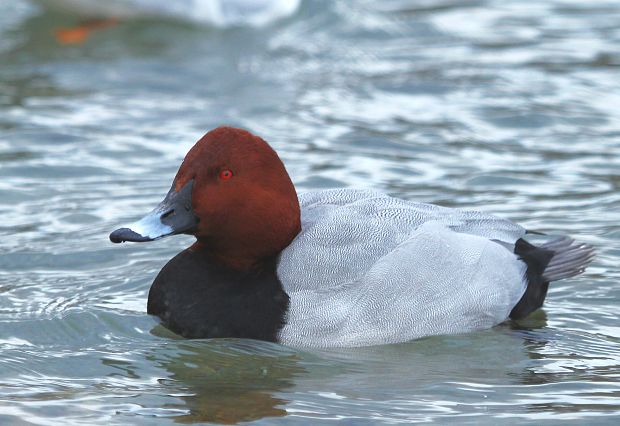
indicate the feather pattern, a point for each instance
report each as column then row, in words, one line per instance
column 371, row 269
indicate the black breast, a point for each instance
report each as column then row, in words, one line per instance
column 199, row 298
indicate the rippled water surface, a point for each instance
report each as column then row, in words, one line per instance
column 511, row 107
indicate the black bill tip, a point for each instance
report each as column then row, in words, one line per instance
column 125, row 234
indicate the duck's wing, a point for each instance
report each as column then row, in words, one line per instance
column 368, row 269
column 345, row 230
column 406, row 213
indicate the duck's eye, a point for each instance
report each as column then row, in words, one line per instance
column 226, row 174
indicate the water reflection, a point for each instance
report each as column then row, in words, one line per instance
column 228, row 381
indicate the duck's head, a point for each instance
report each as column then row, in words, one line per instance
column 233, row 194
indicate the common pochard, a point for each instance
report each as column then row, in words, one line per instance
column 341, row 267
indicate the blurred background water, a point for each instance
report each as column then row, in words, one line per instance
column 510, row 107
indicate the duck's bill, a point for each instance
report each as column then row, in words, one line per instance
column 172, row 216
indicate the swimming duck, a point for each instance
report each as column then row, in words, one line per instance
column 340, row 267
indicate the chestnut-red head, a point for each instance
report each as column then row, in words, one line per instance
column 233, row 193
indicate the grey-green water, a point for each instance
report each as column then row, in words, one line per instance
column 511, row 107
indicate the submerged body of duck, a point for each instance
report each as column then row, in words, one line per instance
column 338, row 267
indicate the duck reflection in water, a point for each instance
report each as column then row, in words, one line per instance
column 227, row 381
column 230, row 381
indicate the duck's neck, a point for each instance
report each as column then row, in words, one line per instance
column 236, row 260
column 252, row 236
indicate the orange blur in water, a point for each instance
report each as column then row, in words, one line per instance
column 79, row 34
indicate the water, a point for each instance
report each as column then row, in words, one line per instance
column 505, row 106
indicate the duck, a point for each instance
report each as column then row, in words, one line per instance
column 97, row 15
column 336, row 267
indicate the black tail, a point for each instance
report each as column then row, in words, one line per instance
column 552, row 261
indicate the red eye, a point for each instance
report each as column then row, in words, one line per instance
column 226, row 174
